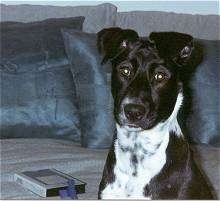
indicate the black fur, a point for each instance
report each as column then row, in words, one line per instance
column 180, row 178
column 108, row 173
column 136, row 63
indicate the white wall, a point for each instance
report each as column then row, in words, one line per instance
column 193, row 7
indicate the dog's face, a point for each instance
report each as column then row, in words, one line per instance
column 146, row 74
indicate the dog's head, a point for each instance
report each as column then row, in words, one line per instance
column 146, row 74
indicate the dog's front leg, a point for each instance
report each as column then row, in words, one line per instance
column 108, row 176
column 112, row 191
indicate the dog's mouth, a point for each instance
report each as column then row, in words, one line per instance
column 133, row 127
column 144, row 124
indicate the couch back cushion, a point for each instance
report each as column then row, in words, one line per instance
column 96, row 17
column 37, row 89
column 145, row 22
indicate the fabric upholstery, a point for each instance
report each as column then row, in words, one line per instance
column 82, row 163
column 96, row 17
column 23, row 42
column 37, row 89
column 92, row 89
column 204, row 122
column 66, row 156
column 145, row 22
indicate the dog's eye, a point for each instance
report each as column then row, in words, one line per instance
column 159, row 76
column 125, row 71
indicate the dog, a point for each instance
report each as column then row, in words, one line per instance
column 149, row 157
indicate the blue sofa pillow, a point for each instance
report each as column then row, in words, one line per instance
column 203, row 121
column 37, row 89
column 92, row 82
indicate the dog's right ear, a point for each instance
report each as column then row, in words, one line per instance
column 113, row 41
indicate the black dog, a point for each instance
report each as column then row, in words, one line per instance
column 149, row 157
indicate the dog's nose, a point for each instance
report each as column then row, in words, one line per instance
column 134, row 112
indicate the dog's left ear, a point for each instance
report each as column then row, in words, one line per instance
column 113, row 41
column 172, row 45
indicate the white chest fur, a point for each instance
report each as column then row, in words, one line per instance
column 140, row 155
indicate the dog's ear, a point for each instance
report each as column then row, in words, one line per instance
column 113, row 41
column 172, row 45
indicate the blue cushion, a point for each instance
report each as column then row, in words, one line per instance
column 37, row 89
column 92, row 82
column 203, row 123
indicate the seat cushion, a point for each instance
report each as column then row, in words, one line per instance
column 82, row 163
column 64, row 155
